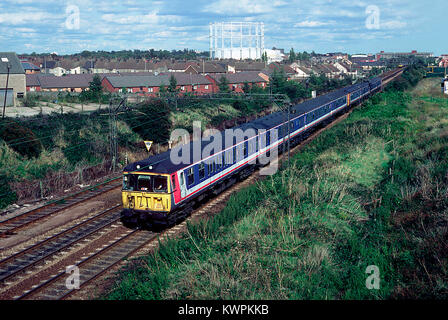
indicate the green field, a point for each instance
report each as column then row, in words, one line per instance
column 372, row 190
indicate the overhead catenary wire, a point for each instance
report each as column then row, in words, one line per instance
column 20, row 140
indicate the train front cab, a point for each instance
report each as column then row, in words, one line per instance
column 147, row 197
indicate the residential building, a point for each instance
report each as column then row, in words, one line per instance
column 13, row 74
column 151, row 84
column 392, row 55
column 50, row 82
column 205, row 68
column 278, row 67
column 30, row 68
column 237, row 80
column 247, row 66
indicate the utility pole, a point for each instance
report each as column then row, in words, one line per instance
column 289, row 132
column 8, row 66
column 113, row 137
column 289, row 136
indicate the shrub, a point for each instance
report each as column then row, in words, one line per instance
column 29, row 102
column 7, row 196
column 150, row 120
column 240, row 105
column 20, row 139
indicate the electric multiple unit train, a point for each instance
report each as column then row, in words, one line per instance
column 157, row 191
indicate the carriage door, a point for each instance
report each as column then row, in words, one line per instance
column 183, row 188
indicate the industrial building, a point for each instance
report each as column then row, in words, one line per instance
column 236, row 40
column 393, row 55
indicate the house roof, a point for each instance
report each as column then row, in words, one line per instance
column 189, row 78
column 277, row 66
column 32, row 80
column 132, row 81
column 48, row 64
column 29, row 66
column 53, row 82
column 248, row 66
column 207, row 67
column 240, row 77
column 331, row 67
column 305, row 70
column 137, row 81
column 13, row 61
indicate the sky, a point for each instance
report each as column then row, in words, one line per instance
column 71, row 26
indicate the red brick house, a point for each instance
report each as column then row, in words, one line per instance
column 150, row 85
column 237, row 80
column 49, row 82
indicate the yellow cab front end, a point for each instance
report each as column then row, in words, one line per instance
column 146, row 195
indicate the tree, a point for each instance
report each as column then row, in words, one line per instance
column 246, row 87
column 278, row 81
column 173, row 84
column 223, row 85
column 264, row 57
column 292, row 55
column 95, row 86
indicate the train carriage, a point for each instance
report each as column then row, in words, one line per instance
column 156, row 191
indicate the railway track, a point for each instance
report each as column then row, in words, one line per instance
column 13, row 225
column 92, row 266
column 391, row 75
column 39, row 252
column 110, row 254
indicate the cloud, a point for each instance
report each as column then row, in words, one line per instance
column 150, row 18
column 242, row 7
column 393, row 24
column 310, row 24
column 173, row 24
column 23, row 17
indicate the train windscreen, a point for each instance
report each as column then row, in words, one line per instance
column 145, row 183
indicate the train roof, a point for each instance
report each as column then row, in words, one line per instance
column 161, row 163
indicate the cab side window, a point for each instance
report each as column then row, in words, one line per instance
column 190, row 176
column 173, row 183
column 182, row 179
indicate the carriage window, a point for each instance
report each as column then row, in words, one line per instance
column 244, row 149
column 190, row 176
column 210, row 168
column 201, row 171
column 235, row 153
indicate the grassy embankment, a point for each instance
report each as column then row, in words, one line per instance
column 372, row 190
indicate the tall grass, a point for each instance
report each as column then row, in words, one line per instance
column 372, row 190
